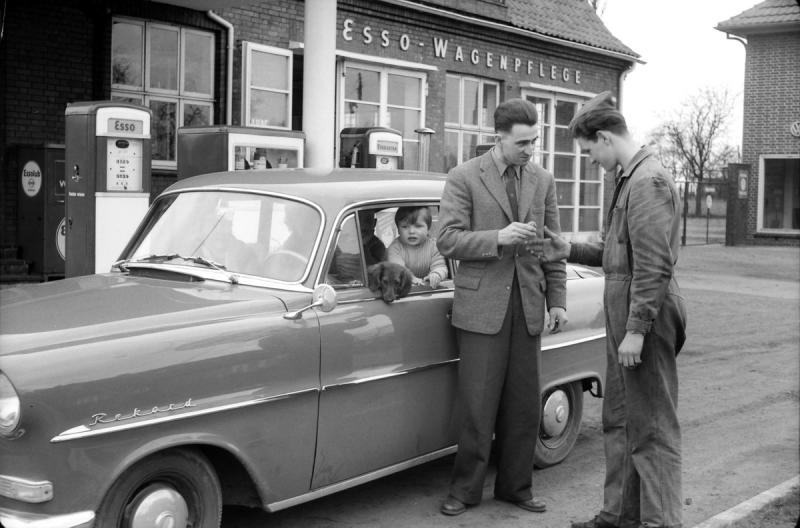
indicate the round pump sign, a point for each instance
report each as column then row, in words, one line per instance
column 31, row 178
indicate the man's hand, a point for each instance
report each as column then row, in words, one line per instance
column 553, row 248
column 630, row 350
column 516, row 233
column 558, row 318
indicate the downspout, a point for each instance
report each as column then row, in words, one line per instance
column 624, row 73
column 229, row 77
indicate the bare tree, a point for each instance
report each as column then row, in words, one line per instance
column 693, row 140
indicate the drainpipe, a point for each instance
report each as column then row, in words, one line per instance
column 229, row 77
column 624, row 73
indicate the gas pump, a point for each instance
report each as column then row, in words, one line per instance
column 376, row 147
column 107, row 164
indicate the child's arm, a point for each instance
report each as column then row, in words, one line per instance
column 438, row 269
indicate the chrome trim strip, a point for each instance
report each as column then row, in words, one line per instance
column 12, row 519
column 361, row 479
column 209, row 273
column 378, row 377
column 575, row 341
column 83, row 431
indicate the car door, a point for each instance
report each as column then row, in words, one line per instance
column 388, row 372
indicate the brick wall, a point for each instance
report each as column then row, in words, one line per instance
column 771, row 104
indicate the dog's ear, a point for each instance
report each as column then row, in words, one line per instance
column 374, row 277
column 406, row 280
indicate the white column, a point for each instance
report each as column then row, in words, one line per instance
column 319, row 78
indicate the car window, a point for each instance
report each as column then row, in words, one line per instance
column 241, row 232
column 346, row 268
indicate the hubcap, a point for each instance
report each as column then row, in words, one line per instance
column 556, row 413
column 159, row 506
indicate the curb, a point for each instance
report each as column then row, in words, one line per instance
column 724, row 519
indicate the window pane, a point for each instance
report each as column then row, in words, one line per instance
column 362, row 85
column 269, row 70
column 565, row 111
column 197, row 64
column 542, row 108
column 489, row 105
column 126, row 99
column 163, row 130
column 589, row 220
column 126, row 54
column 268, row 108
column 470, row 102
column 565, row 217
column 782, row 193
column 469, row 142
column 451, row 158
column 163, row 59
column 589, row 194
column 589, row 170
column 564, row 193
column 346, row 270
column 405, row 121
column 196, row 114
column 361, row 115
column 404, row 91
column 564, row 141
column 410, row 154
column 452, row 103
column 563, row 167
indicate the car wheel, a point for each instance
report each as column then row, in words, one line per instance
column 562, row 409
column 170, row 489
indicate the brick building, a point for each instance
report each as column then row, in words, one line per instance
column 403, row 64
column 768, row 208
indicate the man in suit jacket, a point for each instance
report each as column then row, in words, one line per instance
column 499, row 306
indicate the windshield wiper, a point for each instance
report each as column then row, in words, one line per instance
column 197, row 260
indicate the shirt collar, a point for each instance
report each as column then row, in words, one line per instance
column 501, row 164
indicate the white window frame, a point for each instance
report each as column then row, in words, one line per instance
column 383, row 103
column 460, row 128
column 760, row 200
column 146, row 94
column 570, row 96
column 247, row 73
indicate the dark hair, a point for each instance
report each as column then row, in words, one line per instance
column 514, row 112
column 411, row 214
column 600, row 113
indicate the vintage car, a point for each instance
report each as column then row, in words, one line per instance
column 235, row 355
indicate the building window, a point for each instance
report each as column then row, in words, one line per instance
column 268, row 86
column 375, row 95
column 469, row 116
column 779, row 194
column 579, row 184
column 170, row 69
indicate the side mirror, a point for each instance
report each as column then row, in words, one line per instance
column 324, row 298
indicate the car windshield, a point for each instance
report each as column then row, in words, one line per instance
column 242, row 233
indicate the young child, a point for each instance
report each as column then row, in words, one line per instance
column 414, row 249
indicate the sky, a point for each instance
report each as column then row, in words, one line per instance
column 683, row 53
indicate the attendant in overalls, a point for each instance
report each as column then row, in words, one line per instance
column 645, row 323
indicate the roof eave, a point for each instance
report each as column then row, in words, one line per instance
column 409, row 4
column 745, row 30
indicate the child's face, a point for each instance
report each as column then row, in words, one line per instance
column 413, row 233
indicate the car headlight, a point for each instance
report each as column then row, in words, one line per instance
column 9, row 407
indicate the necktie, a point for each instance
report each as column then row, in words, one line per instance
column 511, row 190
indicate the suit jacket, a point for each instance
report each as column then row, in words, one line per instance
column 474, row 208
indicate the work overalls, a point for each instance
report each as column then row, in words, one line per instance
column 640, row 424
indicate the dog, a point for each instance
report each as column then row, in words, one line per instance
column 391, row 279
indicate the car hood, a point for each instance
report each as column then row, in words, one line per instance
column 96, row 307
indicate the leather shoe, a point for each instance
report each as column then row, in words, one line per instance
column 597, row 522
column 453, row 506
column 532, row 505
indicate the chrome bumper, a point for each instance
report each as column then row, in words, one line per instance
column 15, row 519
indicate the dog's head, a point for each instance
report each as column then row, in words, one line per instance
column 391, row 279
